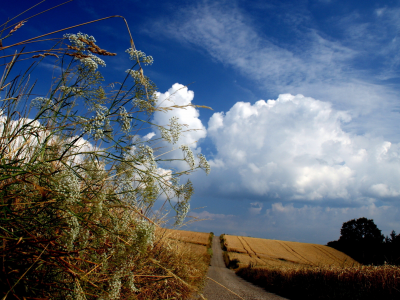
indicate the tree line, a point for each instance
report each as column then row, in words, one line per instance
column 362, row 240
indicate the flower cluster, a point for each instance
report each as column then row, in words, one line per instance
column 182, row 207
column 144, row 233
column 98, row 124
column 68, row 187
column 146, row 157
column 74, row 229
column 76, row 40
column 139, row 56
column 203, row 163
column 126, row 192
column 41, row 103
column 89, row 63
column 134, row 74
column 71, row 90
column 124, row 120
column 83, row 43
column 97, row 60
column 188, row 156
column 172, row 134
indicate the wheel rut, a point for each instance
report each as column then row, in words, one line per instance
column 224, row 284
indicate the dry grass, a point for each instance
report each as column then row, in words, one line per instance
column 200, row 238
column 173, row 270
column 299, row 282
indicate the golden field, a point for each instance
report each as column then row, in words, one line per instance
column 308, row 271
column 200, row 238
column 263, row 252
column 327, row 282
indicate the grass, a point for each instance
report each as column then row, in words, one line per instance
column 77, row 183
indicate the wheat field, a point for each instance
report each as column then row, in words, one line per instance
column 199, row 238
column 274, row 253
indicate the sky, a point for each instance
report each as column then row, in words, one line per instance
column 303, row 134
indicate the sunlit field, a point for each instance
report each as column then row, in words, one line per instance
column 299, row 270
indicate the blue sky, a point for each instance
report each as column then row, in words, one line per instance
column 303, row 134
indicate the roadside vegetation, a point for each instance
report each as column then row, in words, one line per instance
column 307, row 271
column 196, row 242
column 79, row 183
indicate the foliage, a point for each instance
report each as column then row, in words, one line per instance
column 361, row 230
column 362, row 240
column 77, row 183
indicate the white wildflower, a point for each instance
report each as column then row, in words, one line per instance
column 75, row 39
column 175, row 129
column 41, row 103
column 97, row 60
column 71, row 90
column 144, row 233
column 124, row 120
column 188, row 156
column 203, row 163
column 68, row 187
column 139, row 56
column 89, row 63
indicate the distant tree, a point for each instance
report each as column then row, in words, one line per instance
column 361, row 230
column 392, row 248
column 362, row 240
column 393, row 238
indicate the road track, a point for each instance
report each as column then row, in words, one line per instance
column 226, row 285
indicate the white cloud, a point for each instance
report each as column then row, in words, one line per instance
column 380, row 11
column 193, row 129
column 227, row 35
column 255, row 208
column 319, row 66
column 149, row 136
column 294, row 148
column 209, row 216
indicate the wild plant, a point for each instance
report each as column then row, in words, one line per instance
column 77, row 181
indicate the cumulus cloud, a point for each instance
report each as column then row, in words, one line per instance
column 310, row 63
column 295, row 149
column 193, row 129
column 255, row 208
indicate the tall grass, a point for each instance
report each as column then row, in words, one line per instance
column 361, row 282
column 78, row 184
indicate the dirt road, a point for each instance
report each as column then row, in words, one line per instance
column 219, row 273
